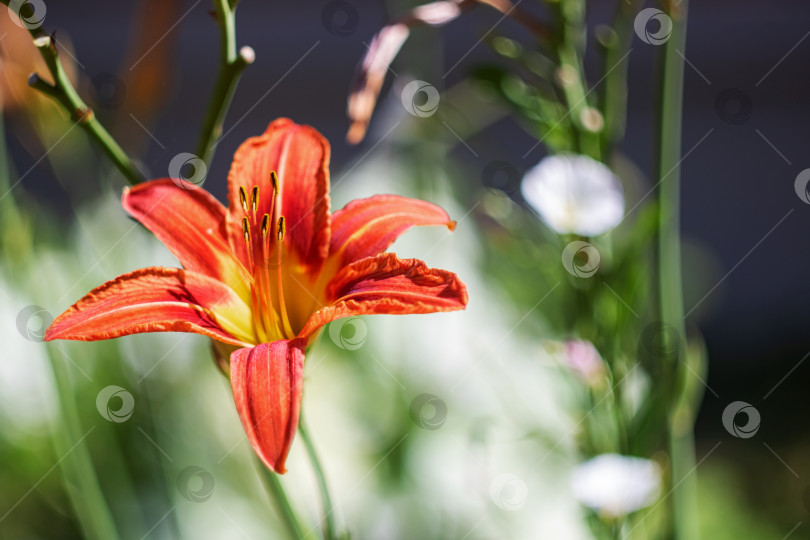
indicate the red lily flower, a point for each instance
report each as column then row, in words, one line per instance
column 265, row 274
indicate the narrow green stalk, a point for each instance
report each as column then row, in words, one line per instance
column 614, row 95
column 326, row 499
column 279, row 497
column 571, row 73
column 69, row 436
column 670, row 290
column 81, row 481
column 669, row 173
column 231, row 67
column 63, row 92
column 14, row 241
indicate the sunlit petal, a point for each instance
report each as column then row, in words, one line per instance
column 266, row 382
column 388, row 285
column 157, row 300
column 366, row 227
column 300, row 157
column 191, row 223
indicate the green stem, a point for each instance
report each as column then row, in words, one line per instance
column 63, row 92
column 670, row 289
column 81, row 482
column 326, row 499
column 231, row 67
column 279, row 497
column 614, row 102
column 13, row 233
column 572, row 74
column 669, row 190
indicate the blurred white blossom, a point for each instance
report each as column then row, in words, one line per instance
column 574, row 194
column 615, row 485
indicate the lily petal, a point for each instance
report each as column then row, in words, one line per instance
column 385, row 46
column 266, row 382
column 300, row 157
column 191, row 223
column 386, row 284
column 381, row 53
column 366, row 227
column 157, row 300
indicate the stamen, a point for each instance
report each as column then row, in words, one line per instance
column 254, row 195
column 246, row 234
column 243, row 198
column 281, row 229
column 264, row 275
column 274, row 182
column 271, row 313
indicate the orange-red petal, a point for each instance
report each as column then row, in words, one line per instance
column 386, row 284
column 191, row 223
column 300, row 157
column 366, row 227
column 266, row 382
column 157, row 300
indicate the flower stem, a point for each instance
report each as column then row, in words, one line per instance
column 231, row 67
column 63, row 92
column 614, row 94
column 670, row 291
column 571, row 14
column 279, row 497
column 80, row 478
column 326, row 499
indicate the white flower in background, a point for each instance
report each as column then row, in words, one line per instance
column 616, row 485
column 574, row 194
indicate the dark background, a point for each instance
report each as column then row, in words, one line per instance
column 736, row 186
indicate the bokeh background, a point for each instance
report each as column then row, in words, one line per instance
column 447, row 426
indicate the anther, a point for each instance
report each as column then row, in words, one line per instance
column 274, row 182
column 281, row 229
column 243, row 198
column 265, row 225
column 254, row 198
column 246, row 229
